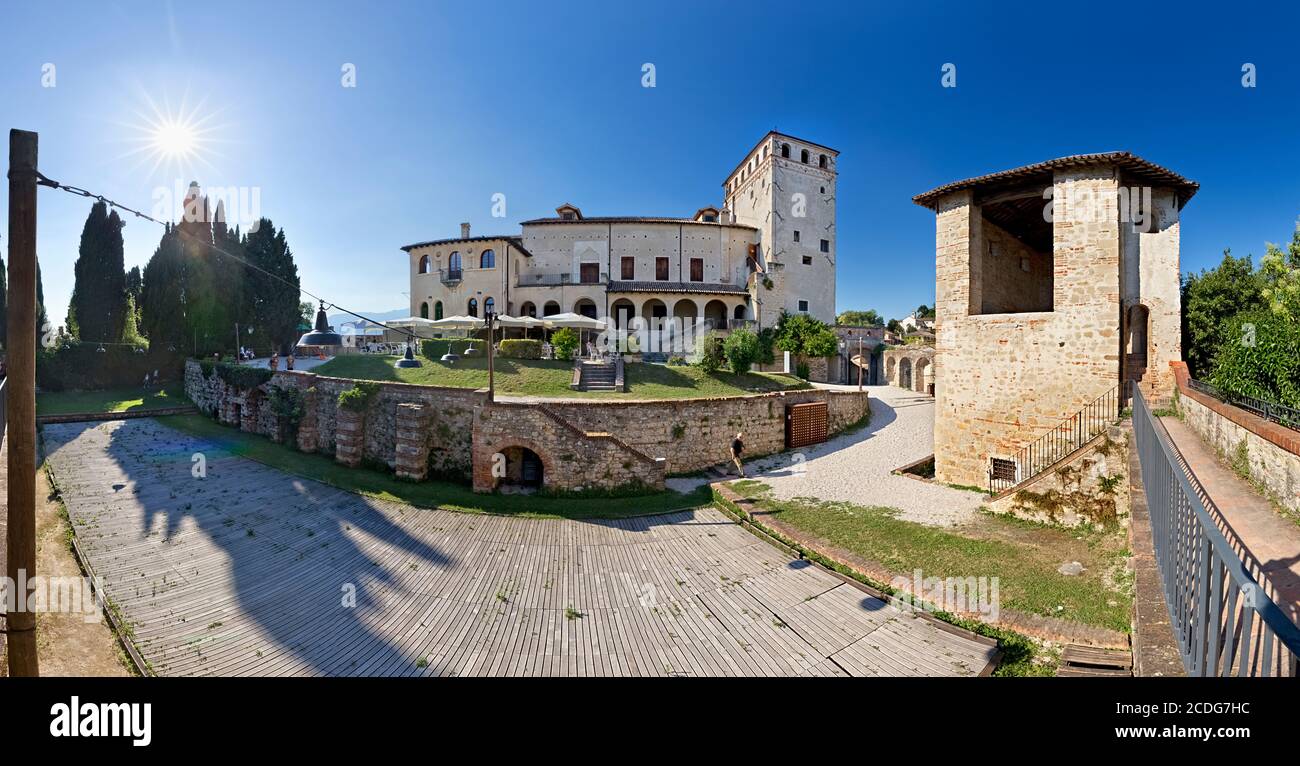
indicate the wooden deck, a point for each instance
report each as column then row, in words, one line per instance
column 248, row 572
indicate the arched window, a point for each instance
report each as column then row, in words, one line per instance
column 472, row 308
column 785, row 151
column 489, row 306
column 424, row 310
column 424, row 264
column 803, row 156
column 550, row 308
column 437, row 310
column 488, row 260
column 822, row 161
column 453, row 262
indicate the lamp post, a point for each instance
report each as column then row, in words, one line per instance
column 490, row 317
column 859, row 364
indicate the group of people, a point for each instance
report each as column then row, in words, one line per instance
column 275, row 362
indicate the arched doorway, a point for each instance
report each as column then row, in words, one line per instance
column 921, row 371
column 529, row 309
column 586, row 307
column 622, row 311
column 905, row 373
column 551, row 308
column 424, row 310
column 715, row 312
column 1137, row 323
column 890, row 369
column 523, row 469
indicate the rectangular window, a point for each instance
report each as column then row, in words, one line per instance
column 796, row 235
column 629, row 268
column 697, row 269
column 590, row 273
column 661, row 269
column 803, row 305
column 826, row 245
column 807, row 260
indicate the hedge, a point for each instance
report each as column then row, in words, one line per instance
column 436, row 347
column 83, row 367
column 518, row 348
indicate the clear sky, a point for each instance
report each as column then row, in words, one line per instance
column 543, row 102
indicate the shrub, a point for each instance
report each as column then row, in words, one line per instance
column 801, row 334
column 767, row 345
column 521, row 349
column 436, row 347
column 709, row 353
column 357, row 398
column 677, row 360
column 243, row 376
column 564, row 341
column 741, row 349
column 1259, row 355
column 801, row 370
column 83, row 367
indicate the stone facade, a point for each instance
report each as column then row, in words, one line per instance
column 426, row 431
column 776, row 223
column 1042, row 278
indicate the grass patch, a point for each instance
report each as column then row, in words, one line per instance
column 1023, row 556
column 126, row 399
column 427, row 494
column 551, row 378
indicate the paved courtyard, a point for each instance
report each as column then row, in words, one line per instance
column 856, row 467
column 251, row 571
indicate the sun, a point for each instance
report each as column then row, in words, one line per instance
column 179, row 140
column 174, row 140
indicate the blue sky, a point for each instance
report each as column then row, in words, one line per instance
column 543, row 103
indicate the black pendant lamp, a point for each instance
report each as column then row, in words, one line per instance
column 409, row 360
column 323, row 335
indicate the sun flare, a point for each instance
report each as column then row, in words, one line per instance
column 178, row 140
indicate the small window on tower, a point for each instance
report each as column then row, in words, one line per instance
column 803, row 156
column 826, row 245
column 796, row 235
column 803, row 306
column 807, row 260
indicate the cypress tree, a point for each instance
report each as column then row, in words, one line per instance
column 98, row 306
column 274, row 304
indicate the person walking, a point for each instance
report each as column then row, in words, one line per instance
column 275, row 361
column 737, row 449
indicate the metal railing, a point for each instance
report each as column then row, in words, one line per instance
column 1278, row 413
column 1223, row 620
column 1048, row 449
column 552, row 280
column 448, row 276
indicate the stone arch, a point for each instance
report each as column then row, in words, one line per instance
column 513, row 450
column 891, row 369
column 685, row 308
column 621, row 312
column 437, row 310
column 715, row 311
column 528, row 309
column 904, row 373
column 739, row 312
column 586, row 307
column 551, row 307
column 424, row 310
column 921, row 372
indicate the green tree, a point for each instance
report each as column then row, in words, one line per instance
column 1259, row 356
column 741, row 349
column 895, row 326
column 868, row 318
column 564, row 341
column 163, row 295
column 274, row 306
column 98, row 307
column 1279, row 274
column 1211, row 298
column 710, row 352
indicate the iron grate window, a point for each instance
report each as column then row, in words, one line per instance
column 1002, row 470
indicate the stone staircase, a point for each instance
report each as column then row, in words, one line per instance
column 598, row 376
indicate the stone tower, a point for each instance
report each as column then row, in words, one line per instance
column 785, row 187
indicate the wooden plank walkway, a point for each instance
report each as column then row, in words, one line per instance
column 249, row 572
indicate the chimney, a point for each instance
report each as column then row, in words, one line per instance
column 464, row 231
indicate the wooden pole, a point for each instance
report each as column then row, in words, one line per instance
column 20, row 388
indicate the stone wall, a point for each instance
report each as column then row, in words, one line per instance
column 447, row 425
column 1272, row 450
column 1090, row 487
column 572, row 459
column 693, row 434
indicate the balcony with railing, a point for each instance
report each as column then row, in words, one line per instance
column 450, row 276
column 554, row 280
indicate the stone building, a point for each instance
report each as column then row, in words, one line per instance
column 771, row 246
column 1055, row 283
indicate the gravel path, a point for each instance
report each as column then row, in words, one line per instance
column 856, row 467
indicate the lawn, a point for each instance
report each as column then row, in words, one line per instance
column 540, row 377
column 426, row 494
column 1024, row 556
column 127, row 399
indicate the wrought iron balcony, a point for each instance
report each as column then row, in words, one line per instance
column 450, row 276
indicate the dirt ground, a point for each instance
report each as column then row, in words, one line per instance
column 66, row 643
